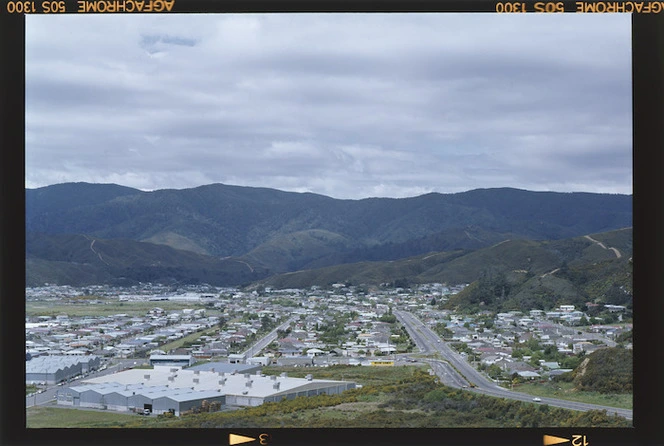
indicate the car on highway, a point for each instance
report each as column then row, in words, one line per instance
column 537, row 400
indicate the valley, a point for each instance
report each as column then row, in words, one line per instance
column 470, row 296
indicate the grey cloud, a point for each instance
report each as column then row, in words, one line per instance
column 351, row 105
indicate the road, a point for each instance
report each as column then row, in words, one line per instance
column 267, row 339
column 453, row 370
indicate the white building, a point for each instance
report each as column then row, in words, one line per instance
column 185, row 386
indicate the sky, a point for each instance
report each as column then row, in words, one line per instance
column 345, row 105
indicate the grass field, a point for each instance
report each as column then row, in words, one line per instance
column 46, row 416
column 566, row 391
column 189, row 338
column 109, row 307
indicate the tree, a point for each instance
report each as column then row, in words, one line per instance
column 494, row 371
column 443, row 331
column 433, row 302
column 400, row 283
column 222, row 322
column 388, row 317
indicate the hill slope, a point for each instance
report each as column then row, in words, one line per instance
column 608, row 370
column 84, row 260
column 507, row 276
column 261, row 224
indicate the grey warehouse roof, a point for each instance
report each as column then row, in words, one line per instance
column 50, row 364
column 150, row 392
column 239, row 384
column 224, row 367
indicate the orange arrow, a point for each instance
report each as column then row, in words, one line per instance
column 549, row 440
column 238, row 439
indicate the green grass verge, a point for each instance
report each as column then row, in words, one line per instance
column 56, row 417
column 566, row 391
column 189, row 338
column 360, row 374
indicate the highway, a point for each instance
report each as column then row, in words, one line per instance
column 453, row 370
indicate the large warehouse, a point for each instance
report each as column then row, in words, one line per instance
column 164, row 389
column 137, row 397
column 54, row 369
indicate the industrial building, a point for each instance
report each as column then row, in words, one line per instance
column 172, row 360
column 55, row 369
column 173, row 389
column 138, row 397
column 226, row 367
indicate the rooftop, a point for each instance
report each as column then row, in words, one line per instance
column 238, row 384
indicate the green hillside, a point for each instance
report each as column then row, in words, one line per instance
column 84, row 260
column 507, row 276
column 223, row 220
column 607, row 370
column 293, row 251
column 246, row 234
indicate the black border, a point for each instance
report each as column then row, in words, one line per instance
column 648, row 160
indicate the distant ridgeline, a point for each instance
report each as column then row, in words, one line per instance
column 80, row 234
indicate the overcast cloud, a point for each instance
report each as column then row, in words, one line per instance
column 345, row 105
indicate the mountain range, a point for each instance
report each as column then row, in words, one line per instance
column 81, row 233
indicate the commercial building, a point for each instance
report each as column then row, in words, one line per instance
column 173, row 389
column 171, row 360
column 55, row 369
column 136, row 398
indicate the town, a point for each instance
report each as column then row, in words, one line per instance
column 214, row 341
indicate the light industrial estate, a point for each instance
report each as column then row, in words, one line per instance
column 176, row 390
